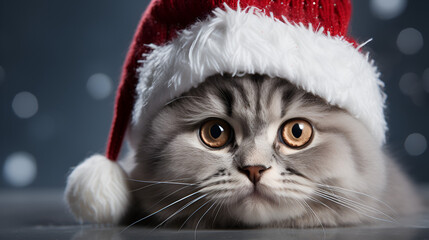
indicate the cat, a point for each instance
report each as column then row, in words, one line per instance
column 257, row 151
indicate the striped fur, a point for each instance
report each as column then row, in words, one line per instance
column 341, row 178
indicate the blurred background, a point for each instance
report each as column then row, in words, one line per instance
column 60, row 63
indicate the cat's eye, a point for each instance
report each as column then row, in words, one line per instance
column 215, row 133
column 296, row 133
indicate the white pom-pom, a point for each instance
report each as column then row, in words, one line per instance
column 97, row 191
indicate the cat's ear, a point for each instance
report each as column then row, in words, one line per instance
column 97, row 191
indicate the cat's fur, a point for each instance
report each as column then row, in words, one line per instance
column 342, row 177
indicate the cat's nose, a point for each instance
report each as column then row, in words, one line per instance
column 254, row 173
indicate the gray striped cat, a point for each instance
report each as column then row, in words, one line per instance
column 256, row 151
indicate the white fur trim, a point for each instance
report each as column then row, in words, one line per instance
column 248, row 41
column 97, row 191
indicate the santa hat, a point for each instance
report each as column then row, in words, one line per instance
column 179, row 43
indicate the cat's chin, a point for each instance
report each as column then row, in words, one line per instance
column 259, row 209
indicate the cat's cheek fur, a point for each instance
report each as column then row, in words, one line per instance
column 203, row 161
column 326, row 157
column 369, row 161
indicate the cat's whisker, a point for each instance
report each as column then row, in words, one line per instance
column 162, row 209
column 354, row 202
column 189, row 217
column 168, row 196
column 339, row 189
column 345, row 201
column 219, row 206
column 361, row 205
column 302, row 205
column 201, row 218
column 317, row 217
column 141, row 188
column 181, row 209
column 153, row 184
column 163, row 182
column 322, row 203
column 333, row 200
column 351, row 207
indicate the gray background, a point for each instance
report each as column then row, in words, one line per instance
column 51, row 49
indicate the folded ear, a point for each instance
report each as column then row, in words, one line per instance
column 97, row 191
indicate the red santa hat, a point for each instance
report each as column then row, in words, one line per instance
column 178, row 44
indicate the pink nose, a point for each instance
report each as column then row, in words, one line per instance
column 253, row 172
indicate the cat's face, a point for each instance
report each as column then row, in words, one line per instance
column 253, row 151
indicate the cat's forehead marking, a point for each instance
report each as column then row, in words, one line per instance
column 248, row 111
column 268, row 97
column 227, row 99
column 240, row 91
column 253, row 101
column 258, row 81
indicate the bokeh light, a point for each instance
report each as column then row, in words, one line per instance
column 20, row 169
column 426, row 80
column 25, row 105
column 409, row 84
column 415, row 144
column 387, row 9
column 409, row 41
column 99, row 86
